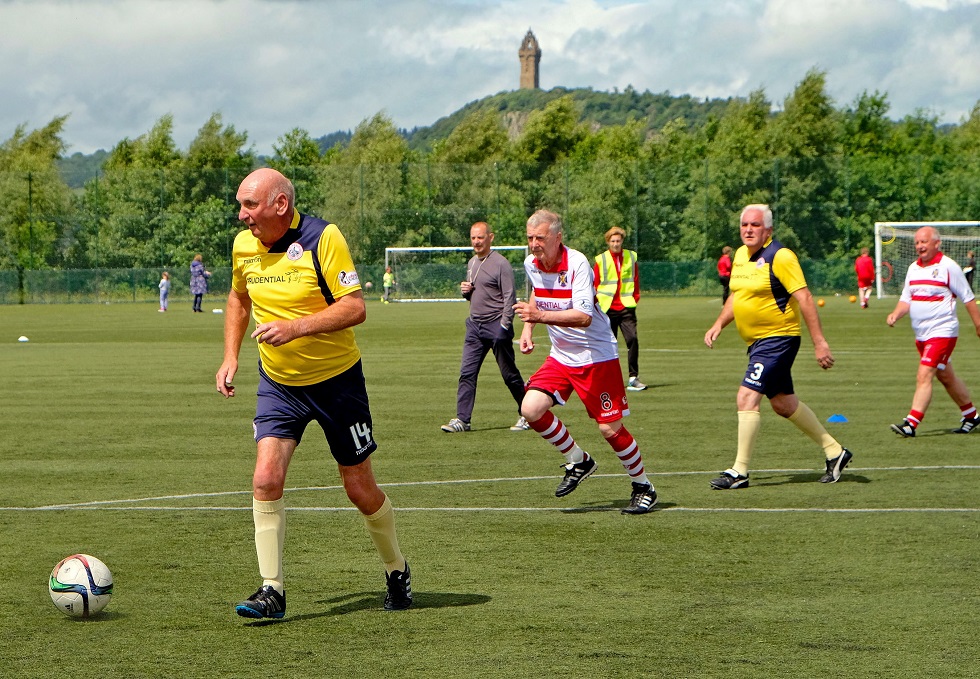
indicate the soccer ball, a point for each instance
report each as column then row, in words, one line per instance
column 820, row 302
column 368, row 285
column 80, row 585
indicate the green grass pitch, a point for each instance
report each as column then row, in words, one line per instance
column 110, row 413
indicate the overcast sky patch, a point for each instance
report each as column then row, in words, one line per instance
column 115, row 67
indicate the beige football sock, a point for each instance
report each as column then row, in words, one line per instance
column 270, row 534
column 381, row 526
column 749, row 423
column 808, row 423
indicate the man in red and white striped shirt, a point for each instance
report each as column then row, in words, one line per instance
column 932, row 285
column 584, row 360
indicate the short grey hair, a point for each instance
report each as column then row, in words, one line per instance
column 546, row 217
column 282, row 185
column 766, row 213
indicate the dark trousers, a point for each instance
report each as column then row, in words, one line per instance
column 625, row 320
column 725, row 291
column 197, row 301
column 480, row 339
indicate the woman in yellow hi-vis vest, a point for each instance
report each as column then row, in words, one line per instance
column 617, row 286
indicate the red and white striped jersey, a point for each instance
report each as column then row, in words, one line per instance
column 569, row 286
column 930, row 291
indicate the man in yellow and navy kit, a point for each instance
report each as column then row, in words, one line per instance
column 769, row 295
column 617, row 287
column 294, row 274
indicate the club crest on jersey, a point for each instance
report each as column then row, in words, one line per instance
column 563, row 279
column 294, row 252
column 347, row 278
column 760, row 263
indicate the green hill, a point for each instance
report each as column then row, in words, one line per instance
column 602, row 108
column 78, row 168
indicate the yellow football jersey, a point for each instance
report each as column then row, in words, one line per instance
column 302, row 273
column 762, row 286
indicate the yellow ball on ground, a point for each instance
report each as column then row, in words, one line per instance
column 853, row 299
column 820, row 302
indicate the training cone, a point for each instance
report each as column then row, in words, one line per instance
column 837, row 418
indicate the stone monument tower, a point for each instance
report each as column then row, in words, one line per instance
column 530, row 56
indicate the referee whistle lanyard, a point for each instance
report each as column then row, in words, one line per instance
column 472, row 279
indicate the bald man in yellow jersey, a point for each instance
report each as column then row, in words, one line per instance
column 294, row 274
column 768, row 296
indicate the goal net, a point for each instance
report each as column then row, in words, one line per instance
column 434, row 274
column 895, row 249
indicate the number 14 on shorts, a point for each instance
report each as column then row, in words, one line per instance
column 361, row 433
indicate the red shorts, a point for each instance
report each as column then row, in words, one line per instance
column 599, row 385
column 935, row 352
column 866, row 282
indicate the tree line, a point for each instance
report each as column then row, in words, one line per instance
column 828, row 172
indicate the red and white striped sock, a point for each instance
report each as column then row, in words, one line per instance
column 915, row 417
column 624, row 445
column 969, row 412
column 554, row 432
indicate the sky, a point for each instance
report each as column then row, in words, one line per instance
column 115, row 67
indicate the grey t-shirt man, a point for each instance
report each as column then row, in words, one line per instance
column 492, row 297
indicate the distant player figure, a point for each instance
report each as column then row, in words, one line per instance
column 970, row 268
column 864, row 267
column 584, row 360
column 199, row 282
column 387, row 283
column 725, row 272
column 769, row 297
column 164, row 286
column 932, row 285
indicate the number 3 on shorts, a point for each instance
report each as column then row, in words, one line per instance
column 757, row 373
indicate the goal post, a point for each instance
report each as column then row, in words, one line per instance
column 895, row 249
column 433, row 274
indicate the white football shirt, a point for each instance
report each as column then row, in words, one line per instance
column 930, row 291
column 569, row 286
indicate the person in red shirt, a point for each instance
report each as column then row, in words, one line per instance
column 616, row 273
column 864, row 267
column 725, row 272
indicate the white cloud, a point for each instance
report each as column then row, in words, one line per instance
column 117, row 66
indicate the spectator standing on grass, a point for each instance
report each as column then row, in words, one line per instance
column 387, row 283
column 725, row 272
column 489, row 288
column 970, row 268
column 769, row 296
column 617, row 285
column 199, row 282
column 864, row 267
column 164, row 286
column 932, row 285
column 294, row 274
column 584, row 359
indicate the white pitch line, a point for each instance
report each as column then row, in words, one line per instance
column 108, row 504
column 571, row 510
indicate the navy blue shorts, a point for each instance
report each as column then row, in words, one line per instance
column 339, row 405
column 770, row 365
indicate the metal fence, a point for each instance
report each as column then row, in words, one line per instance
column 99, row 286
